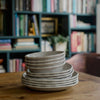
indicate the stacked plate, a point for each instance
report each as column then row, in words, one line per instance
column 47, row 71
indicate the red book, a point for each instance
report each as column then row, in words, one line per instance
column 17, row 65
column 74, row 41
column 52, row 5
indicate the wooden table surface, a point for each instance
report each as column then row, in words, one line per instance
column 12, row 89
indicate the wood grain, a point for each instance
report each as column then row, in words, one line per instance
column 12, row 89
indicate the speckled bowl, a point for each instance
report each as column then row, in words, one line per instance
column 45, row 55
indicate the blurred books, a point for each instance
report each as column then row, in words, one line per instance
column 16, row 65
column 46, row 46
column 22, row 44
column 83, row 42
column 69, row 6
column 5, row 44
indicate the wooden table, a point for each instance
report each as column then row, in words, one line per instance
column 12, row 89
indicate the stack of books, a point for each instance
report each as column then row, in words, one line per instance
column 83, row 42
column 24, row 44
column 75, row 23
column 69, row 6
column 46, row 46
column 26, row 25
column 16, row 65
column 5, row 44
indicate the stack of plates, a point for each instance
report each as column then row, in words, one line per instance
column 47, row 71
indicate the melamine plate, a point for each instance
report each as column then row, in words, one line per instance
column 74, row 75
column 45, row 55
column 59, row 88
column 65, row 69
column 45, row 61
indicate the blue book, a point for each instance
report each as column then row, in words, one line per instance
column 48, row 5
column 16, row 25
column 74, row 6
column 5, row 41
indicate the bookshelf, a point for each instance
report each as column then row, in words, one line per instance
column 66, row 29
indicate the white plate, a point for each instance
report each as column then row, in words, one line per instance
column 74, row 76
column 65, row 69
column 45, row 55
column 46, row 60
column 59, row 88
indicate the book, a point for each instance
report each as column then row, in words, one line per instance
column 48, row 5
column 21, row 5
column 21, row 25
column 36, row 24
column 25, row 40
column 17, row 5
column 2, row 4
column 52, row 5
column 5, row 40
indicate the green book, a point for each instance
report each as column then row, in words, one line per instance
column 44, row 5
column 21, row 28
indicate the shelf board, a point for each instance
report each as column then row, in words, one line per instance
column 16, row 51
column 84, row 28
column 87, row 15
column 12, row 37
column 54, row 13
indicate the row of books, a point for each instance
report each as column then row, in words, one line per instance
column 70, row 6
column 26, row 25
column 25, row 44
column 83, row 42
column 74, row 22
column 16, row 65
column 5, row 44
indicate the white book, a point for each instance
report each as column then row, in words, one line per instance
column 40, row 8
column 84, row 7
column 71, row 21
column 10, row 66
column 79, row 6
column 69, row 6
column 60, row 5
column 64, row 5
column 85, row 43
column 98, row 29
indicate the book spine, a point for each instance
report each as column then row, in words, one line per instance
column 52, row 5
column 5, row 41
column 32, row 5
column 17, row 5
column 27, row 5
column 55, row 6
column 21, row 5
column 36, row 24
column 2, row 4
column 74, row 6
column 44, row 5
column 21, row 20
column 26, row 25
column 48, row 6
column 70, row 6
